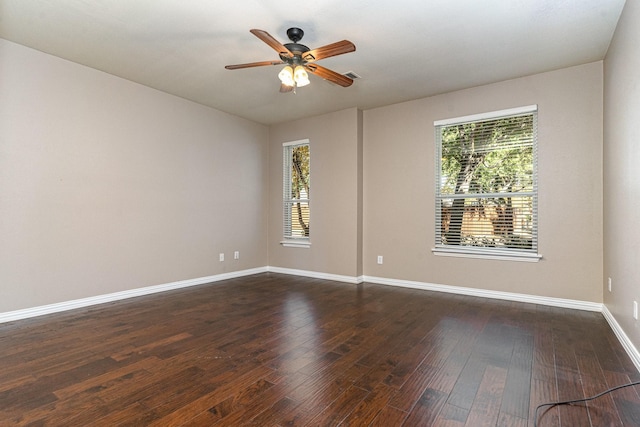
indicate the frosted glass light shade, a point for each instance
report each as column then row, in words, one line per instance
column 286, row 76
column 300, row 76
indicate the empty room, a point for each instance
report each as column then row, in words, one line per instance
column 366, row 213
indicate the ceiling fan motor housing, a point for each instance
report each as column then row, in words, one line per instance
column 295, row 35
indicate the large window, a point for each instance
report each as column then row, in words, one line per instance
column 486, row 185
column 296, row 186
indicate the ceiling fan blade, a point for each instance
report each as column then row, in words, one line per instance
column 330, row 75
column 252, row 64
column 333, row 49
column 285, row 88
column 275, row 44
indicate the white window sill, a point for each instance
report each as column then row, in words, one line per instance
column 487, row 254
column 296, row 243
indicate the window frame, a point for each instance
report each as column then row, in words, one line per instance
column 288, row 239
column 512, row 254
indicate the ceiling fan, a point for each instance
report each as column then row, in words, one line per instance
column 299, row 60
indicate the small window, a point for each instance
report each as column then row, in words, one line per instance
column 486, row 185
column 296, row 188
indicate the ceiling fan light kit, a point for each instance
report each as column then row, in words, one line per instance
column 297, row 77
column 300, row 60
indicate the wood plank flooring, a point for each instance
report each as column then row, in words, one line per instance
column 277, row 350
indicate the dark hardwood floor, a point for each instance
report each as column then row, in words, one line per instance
column 277, row 350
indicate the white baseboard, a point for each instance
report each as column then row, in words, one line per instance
column 101, row 299
column 315, row 275
column 631, row 350
column 509, row 296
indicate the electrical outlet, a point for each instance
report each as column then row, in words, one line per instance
column 609, row 284
column 635, row 310
column 236, row 255
column 379, row 259
column 221, row 257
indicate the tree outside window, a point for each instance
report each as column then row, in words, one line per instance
column 297, row 181
column 486, row 195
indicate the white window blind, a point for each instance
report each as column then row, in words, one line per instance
column 486, row 184
column 296, row 188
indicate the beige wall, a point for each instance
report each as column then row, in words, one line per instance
column 622, row 171
column 107, row 185
column 335, row 226
column 399, row 187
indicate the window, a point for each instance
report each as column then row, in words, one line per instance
column 486, row 185
column 296, row 183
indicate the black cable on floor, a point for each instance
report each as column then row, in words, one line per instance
column 586, row 399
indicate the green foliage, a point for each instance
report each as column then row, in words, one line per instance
column 493, row 156
column 300, row 186
column 492, row 159
column 300, row 177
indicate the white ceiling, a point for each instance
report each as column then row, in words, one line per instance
column 406, row 49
